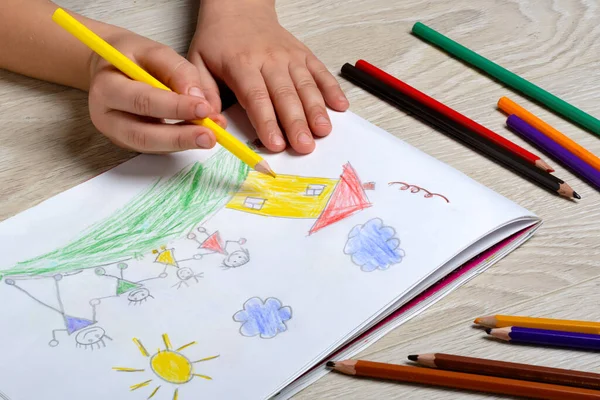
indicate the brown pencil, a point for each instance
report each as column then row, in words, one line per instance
column 509, row 370
column 461, row 380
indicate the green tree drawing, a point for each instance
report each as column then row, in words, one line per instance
column 167, row 210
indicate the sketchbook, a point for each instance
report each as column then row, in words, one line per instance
column 191, row 276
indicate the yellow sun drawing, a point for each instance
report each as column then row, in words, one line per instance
column 169, row 365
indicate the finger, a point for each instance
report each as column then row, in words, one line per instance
column 121, row 93
column 250, row 89
column 208, row 86
column 289, row 107
column 139, row 134
column 312, row 100
column 177, row 73
column 219, row 119
column 329, row 86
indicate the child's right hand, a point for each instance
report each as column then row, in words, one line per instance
column 131, row 114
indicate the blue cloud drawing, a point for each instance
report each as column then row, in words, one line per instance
column 266, row 319
column 374, row 246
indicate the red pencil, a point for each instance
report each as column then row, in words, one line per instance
column 450, row 113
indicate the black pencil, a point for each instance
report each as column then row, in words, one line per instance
column 444, row 124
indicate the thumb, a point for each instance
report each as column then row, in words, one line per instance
column 180, row 75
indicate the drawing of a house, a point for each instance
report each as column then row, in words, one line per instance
column 291, row 196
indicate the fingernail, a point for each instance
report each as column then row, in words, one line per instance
column 196, row 92
column 343, row 99
column 203, row 141
column 304, row 138
column 321, row 120
column 202, row 110
column 276, row 140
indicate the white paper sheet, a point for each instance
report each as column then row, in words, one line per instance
column 90, row 311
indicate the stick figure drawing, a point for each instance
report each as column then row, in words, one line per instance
column 235, row 255
column 87, row 333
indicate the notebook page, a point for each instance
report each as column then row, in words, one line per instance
column 410, row 310
column 222, row 271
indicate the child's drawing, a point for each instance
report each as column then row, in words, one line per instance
column 170, row 365
column 374, row 246
column 87, row 332
column 166, row 257
column 235, row 254
column 136, row 292
column 417, row 189
column 291, row 196
column 266, row 319
column 186, row 274
column 167, row 210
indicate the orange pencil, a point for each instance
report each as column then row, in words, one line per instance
column 512, row 108
column 503, row 321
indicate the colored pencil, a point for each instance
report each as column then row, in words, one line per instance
column 446, row 125
column 135, row 72
column 452, row 114
column 501, row 321
column 510, row 107
column 460, row 380
column 558, row 152
column 508, row 78
column 545, row 337
column 502, row 369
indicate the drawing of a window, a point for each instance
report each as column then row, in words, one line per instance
column 314, row 190
column 254, row 203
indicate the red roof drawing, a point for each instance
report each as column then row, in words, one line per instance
column 348, row 197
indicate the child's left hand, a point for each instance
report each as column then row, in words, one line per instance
column 269, row 70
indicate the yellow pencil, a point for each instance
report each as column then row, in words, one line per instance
column 135, row 72
column 502, row 321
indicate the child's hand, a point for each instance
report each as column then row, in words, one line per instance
column 269, row 70
column 131, row 114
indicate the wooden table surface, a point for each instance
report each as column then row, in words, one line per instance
column 48, row 144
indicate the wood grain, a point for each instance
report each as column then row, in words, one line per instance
column 48, row 144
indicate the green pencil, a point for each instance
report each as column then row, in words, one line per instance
column 505, row 76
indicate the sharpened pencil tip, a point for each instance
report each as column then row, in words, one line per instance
column 576, row 195
column 413, row 357
column 330, row 364
column 488, row 330
column 264, row 168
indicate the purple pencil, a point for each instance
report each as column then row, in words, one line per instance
column 555, row 150
column 545, row 337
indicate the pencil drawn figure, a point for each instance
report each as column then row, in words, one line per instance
column 290, row 196
column 2, row 395
column 266, row 319
column 87, row 335
column 136, row 292
column 161, row 213
column 186, row 274
column 416, row 189
column 374, row 246
column 166, row 257
column 170, row 365
column 235, row 254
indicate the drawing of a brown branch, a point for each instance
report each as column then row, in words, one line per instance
column 417, row 189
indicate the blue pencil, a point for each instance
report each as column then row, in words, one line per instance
column 545, row 337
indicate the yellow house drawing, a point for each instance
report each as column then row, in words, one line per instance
column 291, row 196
